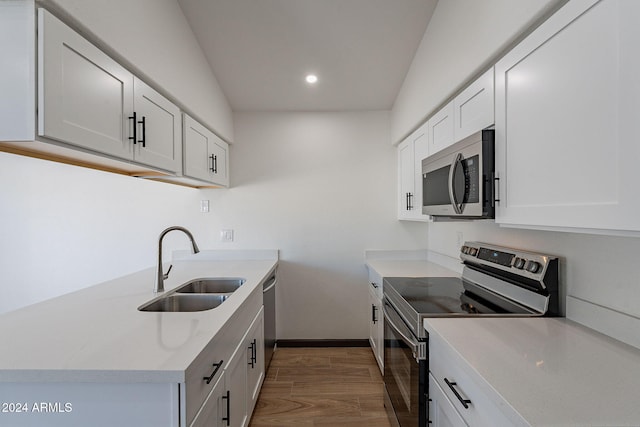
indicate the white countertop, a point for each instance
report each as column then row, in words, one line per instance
column 411, row 264
column 98, row 334
column 410, row 268
column 551, row 371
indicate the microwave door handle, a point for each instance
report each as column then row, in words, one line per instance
column 457, row 163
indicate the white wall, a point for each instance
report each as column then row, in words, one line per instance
column 461, row 40
column 321, row 187
column 156, row 40
column 65, row 227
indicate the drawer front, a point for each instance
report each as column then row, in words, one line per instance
column 375, row 284
column 475, row 404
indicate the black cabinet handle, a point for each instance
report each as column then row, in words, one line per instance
column 216, row 368
column 374, row 285
column 228, row 399
column 410, row 202
column 134, row 138
column 465, row 402
column 144, row 131
column 373, row 313
column 254, row 353
column 214, row 163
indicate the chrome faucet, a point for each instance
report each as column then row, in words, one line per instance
column 160, row 276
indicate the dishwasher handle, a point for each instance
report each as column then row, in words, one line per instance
column 273, row 279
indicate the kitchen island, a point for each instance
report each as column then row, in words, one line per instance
column 92, row 356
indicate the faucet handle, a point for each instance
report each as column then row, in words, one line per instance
column 166, row 275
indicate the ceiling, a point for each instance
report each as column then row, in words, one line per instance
column 261, row 50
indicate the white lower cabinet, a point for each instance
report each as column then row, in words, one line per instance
column 458, row 396
column 245, row 374
column 237, row 389
column 214, row 411
column 256, row 363
column 566, row 121
column 376, row 320
column 442, row 413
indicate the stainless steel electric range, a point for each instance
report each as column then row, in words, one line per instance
column 496, row 281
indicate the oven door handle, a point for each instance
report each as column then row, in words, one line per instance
column 408, row 341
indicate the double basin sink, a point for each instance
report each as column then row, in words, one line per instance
column 196, row 295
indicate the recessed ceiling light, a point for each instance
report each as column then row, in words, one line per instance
column 311, row 78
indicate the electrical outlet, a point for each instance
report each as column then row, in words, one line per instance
column 204, row 206
column 226, row 235
column 459, row 239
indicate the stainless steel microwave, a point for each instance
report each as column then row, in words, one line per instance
column 458, row 182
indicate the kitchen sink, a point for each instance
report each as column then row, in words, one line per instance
column 184, row 302
column 219, row 285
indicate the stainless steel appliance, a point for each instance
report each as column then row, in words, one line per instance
column 269, row 302
column 459, row 180
column 496, row 281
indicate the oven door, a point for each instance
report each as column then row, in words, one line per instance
column 405, row 371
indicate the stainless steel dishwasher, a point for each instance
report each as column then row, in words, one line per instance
column 269, row 301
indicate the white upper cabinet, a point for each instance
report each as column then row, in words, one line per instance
column 158, row 129
column 567, row 111
column 87, row 99
column 411, row 151
column 473, row 108
column 206, row 156
column 440, row 129
column 469, row 112
column 84, row 96
column 66, row 100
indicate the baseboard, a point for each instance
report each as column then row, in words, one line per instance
column 323, row 343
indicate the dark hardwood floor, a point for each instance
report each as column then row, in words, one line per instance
column 321, row 387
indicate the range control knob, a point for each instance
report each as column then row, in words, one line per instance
column 519, row 263
column 532, row 266
column 464, row 249
column 473, row 251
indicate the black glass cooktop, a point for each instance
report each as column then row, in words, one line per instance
column 434, row 296
column 429, row 294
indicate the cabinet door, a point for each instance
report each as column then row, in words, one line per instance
column 255, row 360
column 473, row 108
column 405, row 178
column 567, row 108
column 214, row 408
column 236, row 373
column 84, row 96
column 205, row 155
column 442, row 413
column 376, row 328
column 220, row 152
column 159, row 129
column 411, row 151
column 440, row 129
column 373, row 320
